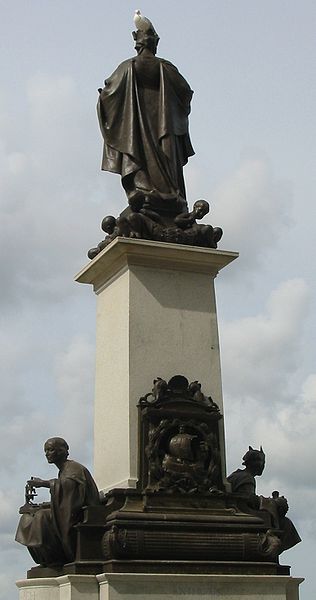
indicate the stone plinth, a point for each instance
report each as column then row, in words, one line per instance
column 156, row 316
column 139, row 586
column 195, row 587
column 66, row 587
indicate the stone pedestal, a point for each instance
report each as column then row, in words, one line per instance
column 194, row 587
column 139, row 586
column 156, row 316
column 66, row 587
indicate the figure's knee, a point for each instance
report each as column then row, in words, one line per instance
column 218, row 234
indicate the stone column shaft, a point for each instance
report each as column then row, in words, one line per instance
column 156, row 317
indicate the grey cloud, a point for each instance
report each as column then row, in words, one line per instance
column 254, row 209
column 261, row 352
column 74, row 372
column 53, row 196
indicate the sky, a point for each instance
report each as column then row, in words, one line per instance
column 251, row 65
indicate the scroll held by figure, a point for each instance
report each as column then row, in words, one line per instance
column 47, row 529
column 143, row 112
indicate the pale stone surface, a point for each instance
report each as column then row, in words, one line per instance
column 123, row 250
column 156, row 316
column 38, row 589
column 155, row 587
column 66, row 587
column 194, row 587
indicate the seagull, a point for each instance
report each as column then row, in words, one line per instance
column 142, row 23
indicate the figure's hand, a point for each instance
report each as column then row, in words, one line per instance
column 197, row 213
column 36, row 482
column 194, row 213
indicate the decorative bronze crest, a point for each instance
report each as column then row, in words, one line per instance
column 179, row 445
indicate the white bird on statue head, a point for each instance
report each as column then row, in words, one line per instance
column 142, row 23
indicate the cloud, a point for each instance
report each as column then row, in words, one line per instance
column 52, row 196
column 75, row 383
column 7, row 510
column 261, row 353
column 253, row 207
column 289, row 433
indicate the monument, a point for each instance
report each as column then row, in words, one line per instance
column 166, row 519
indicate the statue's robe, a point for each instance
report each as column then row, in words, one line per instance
column 143, row 113
column 48, row 532
column 242, row 482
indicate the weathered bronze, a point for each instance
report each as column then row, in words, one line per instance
column 47, row 529
column 179, row 446
column 243, row 483
column 148, row 225
column 182, row 517
column 143, row 114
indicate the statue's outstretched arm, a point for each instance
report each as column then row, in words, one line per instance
column 37, row 482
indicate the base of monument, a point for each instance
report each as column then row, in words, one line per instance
column 65, row 587
column 196, row 586
column 86, row 567
column 79, row 567
column 40, row 571
column 171, row 533
column 195, row 567
column 143, row 586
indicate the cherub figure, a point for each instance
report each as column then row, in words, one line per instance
column 206, row 235
column 113, row 228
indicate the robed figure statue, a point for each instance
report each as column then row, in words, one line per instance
column 47, row 529
column 143, row 113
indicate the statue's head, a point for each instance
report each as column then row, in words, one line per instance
column 108, row 224
column 195, row 386
column 146, row 39
column 201, row 208
column 56, row 449
column 254, row 460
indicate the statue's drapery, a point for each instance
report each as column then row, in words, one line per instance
column 143, row 113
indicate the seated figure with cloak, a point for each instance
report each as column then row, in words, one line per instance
column 48, row 529
column 244, row 484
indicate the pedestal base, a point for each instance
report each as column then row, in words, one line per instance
column 123, row 586
column 67, row 587
column 194, row 587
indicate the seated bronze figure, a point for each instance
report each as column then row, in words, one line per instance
column 47, row 529
column 243, row 483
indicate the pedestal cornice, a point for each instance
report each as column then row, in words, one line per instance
column 124, row 252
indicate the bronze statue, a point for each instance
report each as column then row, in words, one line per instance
column 244, row 484
column 47, row 529
column 143, row 112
